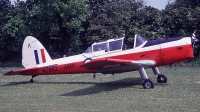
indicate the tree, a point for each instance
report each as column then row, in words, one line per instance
column 147, row 22
column 111, row 19
column 187, row 3
column 124, row 18
column 12, row 29
column 58, row 23
column 180, row 20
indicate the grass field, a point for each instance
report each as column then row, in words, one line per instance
column 106, row 93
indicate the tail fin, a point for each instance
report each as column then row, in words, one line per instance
column 33, row 52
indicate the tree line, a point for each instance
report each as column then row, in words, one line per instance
column 68, row 27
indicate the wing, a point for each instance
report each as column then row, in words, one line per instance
column 117, row 65
column 25, row 71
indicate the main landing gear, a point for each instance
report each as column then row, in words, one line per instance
column 148, row 83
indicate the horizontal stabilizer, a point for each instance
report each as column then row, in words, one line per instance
column 25, row 71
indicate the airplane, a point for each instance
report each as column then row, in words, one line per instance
column 108, row 57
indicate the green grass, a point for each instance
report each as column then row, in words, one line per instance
column 106, row 93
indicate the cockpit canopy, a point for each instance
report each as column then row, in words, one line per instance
column 114, row 44
column 109, row 45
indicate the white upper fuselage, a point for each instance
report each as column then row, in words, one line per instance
column 121, row 54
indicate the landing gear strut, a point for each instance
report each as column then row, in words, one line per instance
column 161, row 78
column 147, row 83
column 31, row 80
column 94, row 75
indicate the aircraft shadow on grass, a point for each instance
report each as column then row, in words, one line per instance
column 97, row 87
column 107, row 86
column 15, row 83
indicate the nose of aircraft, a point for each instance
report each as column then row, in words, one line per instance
column 194, row 40
column 196, row 45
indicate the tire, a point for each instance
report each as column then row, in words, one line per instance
column 31, row 81
column 148, row 84
column 162, row 78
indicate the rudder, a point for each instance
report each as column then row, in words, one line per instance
column 33, row 53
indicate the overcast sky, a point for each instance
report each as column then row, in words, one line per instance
column 159, row 4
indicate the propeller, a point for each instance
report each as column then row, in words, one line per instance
column 196, row 45
column 194, row 39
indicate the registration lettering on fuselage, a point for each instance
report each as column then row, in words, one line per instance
column 49, row 69
column 69, row 66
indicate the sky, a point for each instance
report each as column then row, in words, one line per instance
column 159, row 4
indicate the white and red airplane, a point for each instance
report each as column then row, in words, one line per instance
column 108, row 57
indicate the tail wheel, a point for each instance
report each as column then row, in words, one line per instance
column 162, row 78
column 31, row 81
column 148, row 84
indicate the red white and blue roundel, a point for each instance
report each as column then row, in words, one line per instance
column 39, row 56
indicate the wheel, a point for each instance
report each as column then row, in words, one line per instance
column 162, row 78
column 148, row 84
column 31, row 81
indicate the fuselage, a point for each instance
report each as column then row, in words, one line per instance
column 163, row 52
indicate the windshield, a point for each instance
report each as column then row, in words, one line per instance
column 89, row 50
column 139, row 40
column 109, row 45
